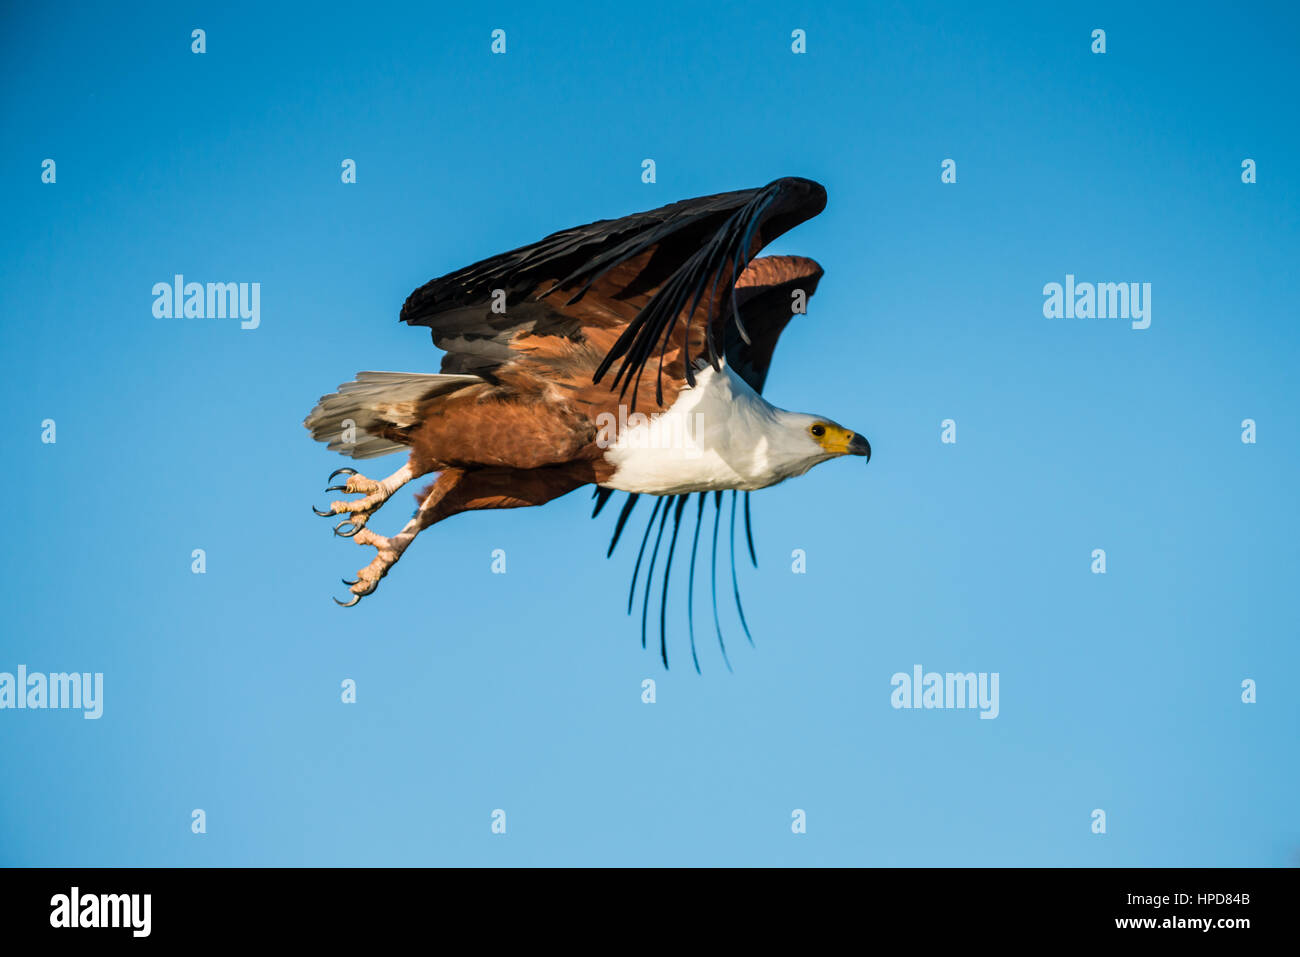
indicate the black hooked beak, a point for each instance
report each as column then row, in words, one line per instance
column 858, row 445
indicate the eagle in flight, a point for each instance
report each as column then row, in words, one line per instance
column 629, row 354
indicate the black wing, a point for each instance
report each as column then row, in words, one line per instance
column 679, row 251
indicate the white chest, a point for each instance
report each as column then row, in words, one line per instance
column 717, row 435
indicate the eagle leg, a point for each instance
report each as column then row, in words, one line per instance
column 376, row 494
column 390, row 549
column 457, row 490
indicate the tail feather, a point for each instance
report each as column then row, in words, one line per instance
column 359, row 419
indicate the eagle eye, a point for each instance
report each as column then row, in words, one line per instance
column 817, row 429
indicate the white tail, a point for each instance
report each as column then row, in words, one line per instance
column 352, row 419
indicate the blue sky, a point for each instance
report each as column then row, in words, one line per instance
column 523, row 691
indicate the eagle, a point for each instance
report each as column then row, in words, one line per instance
column 628, row 354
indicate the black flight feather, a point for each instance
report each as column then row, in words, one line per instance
column 650, row 572
column 636, row 571
column 690, row 580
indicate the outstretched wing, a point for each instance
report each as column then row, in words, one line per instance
column 638, row 284
column 478, row 314
column 716, row 267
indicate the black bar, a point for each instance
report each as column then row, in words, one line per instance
column 333, row 906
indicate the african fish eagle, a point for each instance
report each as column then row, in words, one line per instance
column 525, row 409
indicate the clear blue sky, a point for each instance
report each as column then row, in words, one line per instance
column 523, row 691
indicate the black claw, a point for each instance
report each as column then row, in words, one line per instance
column 322, row 514
column 347, row 604
column 348, row 534
column 337, row 488
column 341, row 472
column 346, row 582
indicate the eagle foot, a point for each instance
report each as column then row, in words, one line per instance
column 358, row 511
column 367, row 580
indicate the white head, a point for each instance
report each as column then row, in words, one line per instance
column 801, row 441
